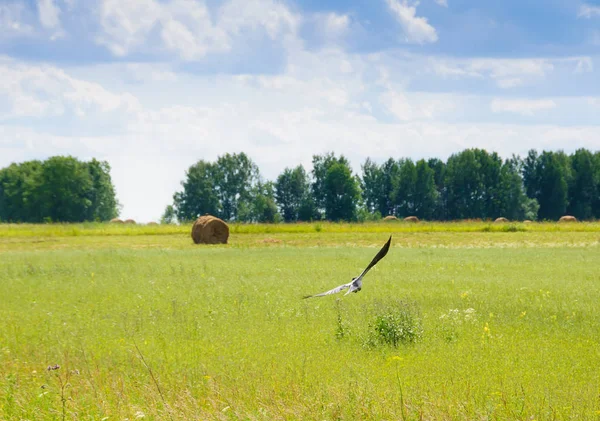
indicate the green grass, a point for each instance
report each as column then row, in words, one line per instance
column 154, row 326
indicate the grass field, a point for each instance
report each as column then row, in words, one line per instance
column 492, row 321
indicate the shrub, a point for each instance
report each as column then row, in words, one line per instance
column 394, row 323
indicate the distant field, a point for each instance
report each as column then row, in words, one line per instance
column 146, row 325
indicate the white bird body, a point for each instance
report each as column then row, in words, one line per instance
column 356, row 284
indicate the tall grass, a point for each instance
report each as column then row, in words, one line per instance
column 194, row 332
column 106, row 229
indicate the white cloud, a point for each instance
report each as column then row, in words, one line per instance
column 588, row 11
column 48, row 14
column 332, row 25
column 525, row 107
column 416, row 29
column 506, row 73
column 418, row 106
column 187, row 27
column 47, row 91
column 443, row 3
column 12, row 22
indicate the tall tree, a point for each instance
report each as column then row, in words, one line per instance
column 18, row 183
column 261, row 207
column 390, row 174
column 371, row 184
column 62, row 194
column 104, row 205
column 425, row 193
column 321, row 165
column 235, row 176
column 341, row 192
column 404, row 191
column 292, row 189
column 439, row 170
column 553, row 186
column 510, row 199
column 199, row 195
column 583, row 189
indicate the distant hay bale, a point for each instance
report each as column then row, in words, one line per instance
column 567, row 218
column 116, row 221
column 209, row 229
column 129, row 221
column 501, row 219
column 527, row 221
column 411, row 219
column 390, row 218
column 152, row 223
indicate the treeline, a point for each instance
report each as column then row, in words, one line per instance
column 59, row 189
column 470, row 184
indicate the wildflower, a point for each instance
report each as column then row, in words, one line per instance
column 523, row 313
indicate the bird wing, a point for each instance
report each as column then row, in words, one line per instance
column 377, row 257
column 331, row 291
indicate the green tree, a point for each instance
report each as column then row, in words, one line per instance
column 553, row 186
column 403, row 194
column 199, row 195
column 261, row 207
column 425, row 193
column 342, row 192
column 235, row 177
column 371, row 184
column 18, row 183
column 169, row 215
column 64, row 190
column 583, row 189
column 439, row 170
column 510, row 199
column 292, row 189
column 321, row 165
column 465, row 187
column 104, row 205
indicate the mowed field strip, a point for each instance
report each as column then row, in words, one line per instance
column 501, row 322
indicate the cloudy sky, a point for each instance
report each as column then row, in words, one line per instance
column 152, row 86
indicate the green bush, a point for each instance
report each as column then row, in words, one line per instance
column 394, row 323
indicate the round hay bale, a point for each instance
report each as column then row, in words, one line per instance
column 411, row 219
column 390, row 218
column 116, row 221
column 501, row 219
column 152, row 223
column 129, row 221
column 527, row 221
column 567, row 218
column 209, row 229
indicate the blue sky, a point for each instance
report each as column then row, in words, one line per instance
column 152, row 86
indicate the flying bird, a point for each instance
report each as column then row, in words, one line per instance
column 356, row 284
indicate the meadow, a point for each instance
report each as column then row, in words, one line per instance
column 460, row 321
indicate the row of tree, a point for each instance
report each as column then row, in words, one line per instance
column 59, row 189
column 470, row 184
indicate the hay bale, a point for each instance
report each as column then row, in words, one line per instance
column 411, row 219
column 129, row 221
column 527, row 221
column 501, row 219
column 209, row 229
column 116, row 221
column 152, row 223
column 390, row 218
column 567, row 218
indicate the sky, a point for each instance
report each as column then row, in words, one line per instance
column 153, row 86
